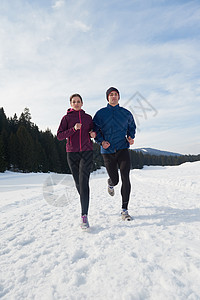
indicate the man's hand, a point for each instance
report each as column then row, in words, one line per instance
column 130, row 140
column 105, row 144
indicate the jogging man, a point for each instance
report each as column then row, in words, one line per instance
column 115, row 128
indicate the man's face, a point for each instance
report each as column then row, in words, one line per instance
column 113, row 98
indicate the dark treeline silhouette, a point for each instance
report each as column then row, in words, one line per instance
column 138, row 159
column 25, row 148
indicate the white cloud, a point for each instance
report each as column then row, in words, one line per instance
column 80, row 25
column 48, row 53
column 58, row 4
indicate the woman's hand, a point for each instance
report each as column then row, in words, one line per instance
column 92, row 134
column 77, row 126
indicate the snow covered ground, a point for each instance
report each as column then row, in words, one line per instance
column 45, row 255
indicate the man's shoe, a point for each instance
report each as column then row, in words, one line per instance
column 125, row 215
column 84, row 222
column 111, row 190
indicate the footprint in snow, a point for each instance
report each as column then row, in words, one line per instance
column 79, row 254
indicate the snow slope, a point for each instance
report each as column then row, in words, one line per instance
column 45, row 255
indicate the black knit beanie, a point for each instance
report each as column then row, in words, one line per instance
column 111, row 89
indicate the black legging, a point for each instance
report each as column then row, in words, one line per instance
column 120, row 158
column 80, row 164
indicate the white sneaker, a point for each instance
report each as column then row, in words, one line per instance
column 125, row 215
column 84, row 222
column 111, row 190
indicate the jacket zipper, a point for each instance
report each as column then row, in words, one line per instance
column 80, row 131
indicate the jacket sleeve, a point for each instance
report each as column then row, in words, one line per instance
column 97, row 128
column 131, row 127
column 63, row 131
column 91, row 126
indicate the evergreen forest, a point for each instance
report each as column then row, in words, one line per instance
column 25, row 148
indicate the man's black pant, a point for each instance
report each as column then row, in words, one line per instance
column 80, row 164
column 120, row 158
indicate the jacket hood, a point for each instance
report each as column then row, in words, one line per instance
column 71, row 110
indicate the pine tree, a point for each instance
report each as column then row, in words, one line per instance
column 61, row 150
column 14, row 151
column 25, row 149
column 140, row 160
column 25, row 118
column 48, row 143
column 3, row 120
column 14, row 124
column 2, row 156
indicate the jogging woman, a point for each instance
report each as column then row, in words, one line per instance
column 76, row 126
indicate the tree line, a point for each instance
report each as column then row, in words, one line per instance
column 139, row 160
column 25, row 148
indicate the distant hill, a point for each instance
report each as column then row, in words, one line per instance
column 152, row 151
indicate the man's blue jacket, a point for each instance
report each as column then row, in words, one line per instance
column 114, row 124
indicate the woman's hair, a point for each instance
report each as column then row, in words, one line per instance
column 76, row 95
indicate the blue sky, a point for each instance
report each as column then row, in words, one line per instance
column 150, row 49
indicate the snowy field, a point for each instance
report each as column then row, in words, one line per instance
column 45, row 255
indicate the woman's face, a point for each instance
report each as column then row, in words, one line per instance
column 76, row 103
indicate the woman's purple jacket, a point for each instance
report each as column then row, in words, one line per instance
column 77, row 140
